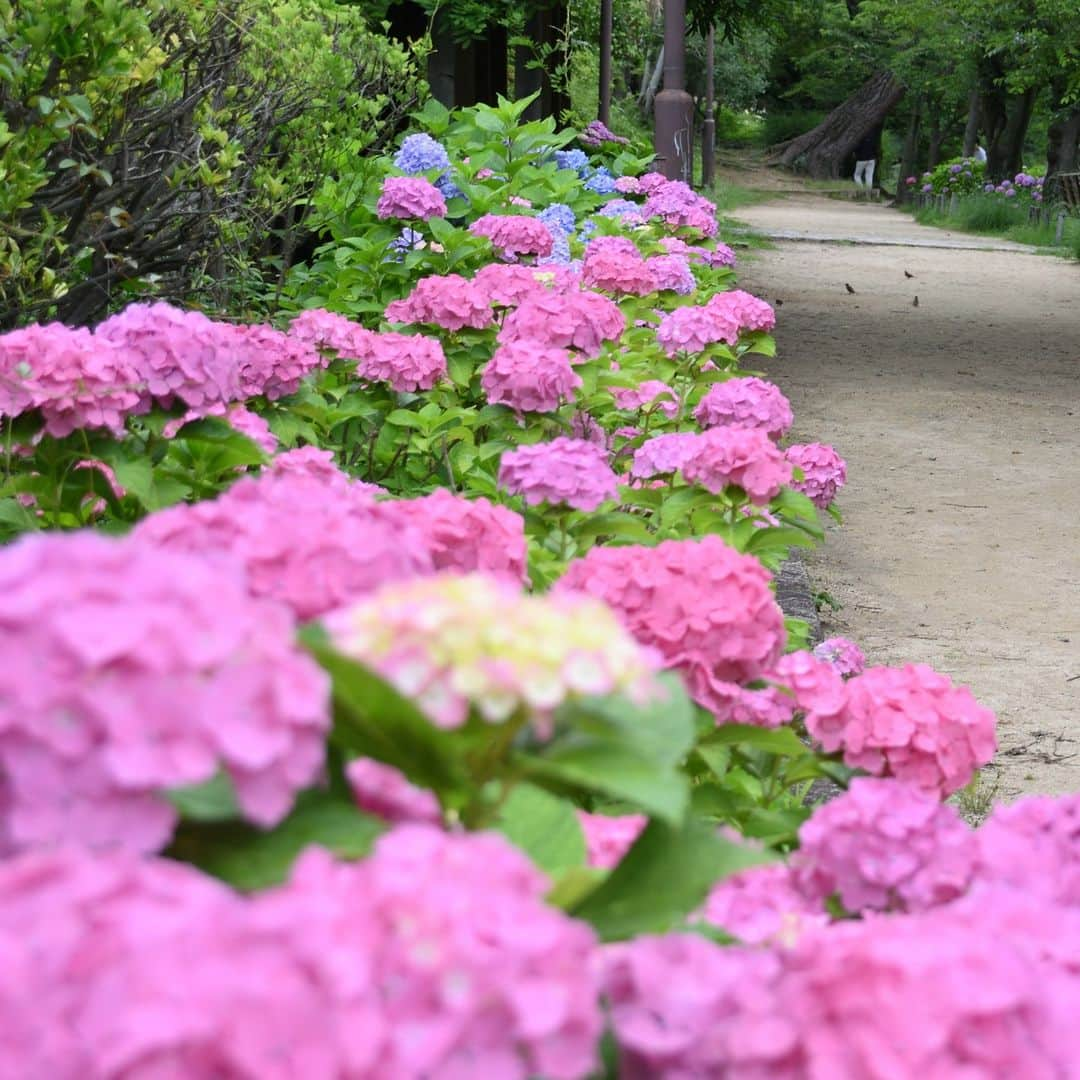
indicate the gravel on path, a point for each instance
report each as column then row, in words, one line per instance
column 960, row 422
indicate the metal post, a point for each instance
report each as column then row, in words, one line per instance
column 708, row 129
column 674, row 108
column 604, row 110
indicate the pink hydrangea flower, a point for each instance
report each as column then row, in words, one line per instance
column 562, row 472
column 325, row 330
column 445, row 300
column 306, row 540
column 628, row 185
column 910, row 723
column 708, row 609
column 746, row 402
column 883, row 846
column 693, row 329
column 509, row 284
column 436, row 956
column 762, row 904
column 178, row 354
column 467, row 534
column 609, row 838
column 614, row 264
column 740, row 457
column 408, row 362
column 76, row 380
column 679, row 206
column 843, row 655
column 253, row 426
column 529, row 377
column 453, row 642
column 410, row 197
column 1033, row 846
column 767, row 707
column 663, row 454
column 131, row 670
column 747, row 312
column 571, row 320
column 315, row 464
column 824, row 472
column 814, row 684
column 646, row 393
column 672, row 272
column 514, row 234
column 267, row 361
column 650, row 182
column 681, row 1007
column 387, row 793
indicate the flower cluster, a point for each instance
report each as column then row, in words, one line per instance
column 843, row 655
column 326, row 330
column 679, row 207
column 762, row 904
column 509, row 284
column 452, row 642
column 1034, row 846
column 672, row 272
column 911, row 723
column 746, row 402
column 559, row 217
column 645, row 394
column 614, row 264
column 436, row 956
column 410, row 197
column 309, row 542
column 445, row 300
column 693, row 329
column 421, row 153
column 742, row 310
column 132, row 670
column 707, row 609
column 885, row 846
column 514, row 234
column 824, row 472
column 385, row 792
column 408, row 362
column 597, row 132
column 663, row 454
column 529, row 377
column 562, row 472
column 570, row 320
column 466, row 534
column 738, row 456
column 609, row 838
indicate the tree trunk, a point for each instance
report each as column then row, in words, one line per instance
column 821, row 152
column 908, row 159
column 971, row 128
column 937, row 138
column 1005, row 154
column 648, row 92
column 1063, row 143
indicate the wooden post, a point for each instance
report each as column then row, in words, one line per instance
column 708, row 129
column 604, row 110
column 674, row 109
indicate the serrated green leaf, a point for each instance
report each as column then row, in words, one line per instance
column 544, row 826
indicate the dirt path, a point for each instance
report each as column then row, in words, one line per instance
column 960, row 422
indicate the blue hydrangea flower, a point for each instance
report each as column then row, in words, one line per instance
column 560, row 249
column 449, row 189
column 954, row 169
column 618, row 207
column 559, row 218
column 577, row 160
column 586, row 230
column 601, row 182
column 421, row 152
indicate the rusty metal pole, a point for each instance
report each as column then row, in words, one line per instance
column 708, row 129
column 604, row 110
column 674, row 109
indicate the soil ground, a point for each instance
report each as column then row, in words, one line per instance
column 960, row 423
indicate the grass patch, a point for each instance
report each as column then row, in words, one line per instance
column 974, row 802
column 728, row 196
column 997, row 218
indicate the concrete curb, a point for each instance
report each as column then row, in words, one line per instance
column 795, row 597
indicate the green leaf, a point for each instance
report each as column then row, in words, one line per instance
column 662, row 878
column 780, row 740
column 249, row 858
column 16, row 517
column 544, row 826
column 212, row 800
column 373, row 719
column 406, row 419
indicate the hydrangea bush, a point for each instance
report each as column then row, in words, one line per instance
column 436, row 716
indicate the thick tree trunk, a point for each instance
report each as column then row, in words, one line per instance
column 821, row 152
column 910, row 154
column 1063, row 145
column 933, row 151
column 1005, row 154
column 971, row 128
